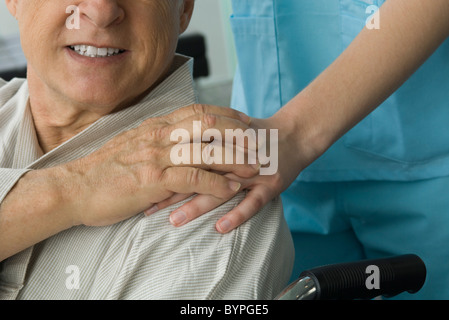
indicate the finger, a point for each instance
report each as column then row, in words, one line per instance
column 212, row 156
column 209, row 127
column 254, row 201
column 200, row 109
column 193, row 209
column 177, row 197
column 194, row 180
column 202, row 204
column 197, row 128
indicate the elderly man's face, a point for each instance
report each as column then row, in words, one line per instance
column 138, row 38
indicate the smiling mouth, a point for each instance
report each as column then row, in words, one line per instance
column 94, row 52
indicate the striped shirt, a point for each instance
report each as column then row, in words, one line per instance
column 141, row 257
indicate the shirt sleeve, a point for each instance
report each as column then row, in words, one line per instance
column 8, row 178
column 196, row 262
column 262, row 258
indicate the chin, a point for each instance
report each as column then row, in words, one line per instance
column 102, row 104
column 98, row 95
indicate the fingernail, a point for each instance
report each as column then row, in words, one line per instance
column 256, row 166
column 224, row 226
column 235, row 186
column 152, row 210
column 177, row 218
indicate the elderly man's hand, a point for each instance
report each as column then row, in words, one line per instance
column 293, row 157
column 134, row 170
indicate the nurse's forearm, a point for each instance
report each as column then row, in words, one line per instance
column 376, row 64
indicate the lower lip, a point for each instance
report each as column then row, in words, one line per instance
column 98, row 61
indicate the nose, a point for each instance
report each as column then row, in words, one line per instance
column 101, row 13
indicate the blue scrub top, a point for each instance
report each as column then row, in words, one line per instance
column 282, row 45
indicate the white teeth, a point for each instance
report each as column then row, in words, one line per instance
column 94, row 52
column 102, row 52
column 91, row 51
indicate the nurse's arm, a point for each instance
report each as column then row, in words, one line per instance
column 375, row 65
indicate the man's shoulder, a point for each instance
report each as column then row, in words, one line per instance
column 267, row 225
column 9, row 89
column 250, row 262
column 146, row 257
column 11, row 112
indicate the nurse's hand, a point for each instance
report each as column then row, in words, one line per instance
column 337, row 100
column 260, row 189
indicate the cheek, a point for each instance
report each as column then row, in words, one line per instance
column 157, row 25
column 40, row 30
column 156, row 44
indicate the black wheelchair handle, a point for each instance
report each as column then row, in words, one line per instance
column 368, row 279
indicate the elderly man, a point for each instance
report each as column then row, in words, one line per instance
column 85, row 144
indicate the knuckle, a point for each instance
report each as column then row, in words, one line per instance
column 161, row 177
column 199, row 108
column 152, row 154
column 167, row 119
column 155, row 174
column 194, row 176
column 159, row 133
column 215, row 183
column 208, row 120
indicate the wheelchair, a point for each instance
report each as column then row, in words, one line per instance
column 360, row 280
